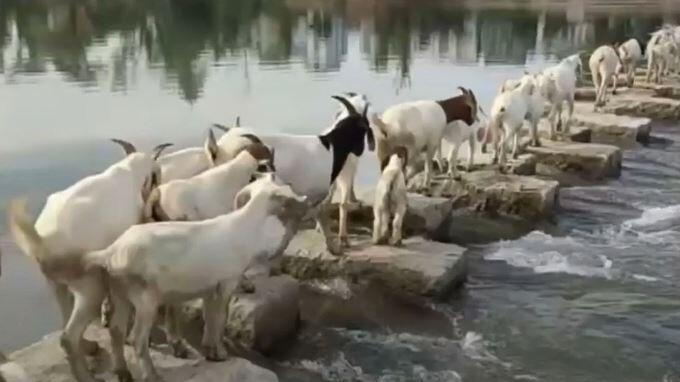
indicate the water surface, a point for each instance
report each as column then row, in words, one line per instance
column 594, row 299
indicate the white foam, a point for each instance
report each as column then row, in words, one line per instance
column 645, row 278
column 656, row 218
column 547, row 254
column 475, row 347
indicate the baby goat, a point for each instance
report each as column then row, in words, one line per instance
column 210, row 193
column 87, row 216
column 419, row 126
column 170, row 262
column 390, row 198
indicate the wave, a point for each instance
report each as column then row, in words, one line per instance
column 544, row 253
column 655, row 219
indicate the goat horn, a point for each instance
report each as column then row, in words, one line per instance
column 348, row 105
column 238, row 121
column 463, row 90
column 222, row 127
column 365, row 114
column 159, row 149
column 128, row 147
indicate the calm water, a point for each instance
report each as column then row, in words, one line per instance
column 596, row 299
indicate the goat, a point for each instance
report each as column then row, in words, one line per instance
column 630, row 53
column 170, row 262
column 390, row 198
column 11, row 371
column 311, row 164
column 603, row 63
column 86, row 216
column 210, row 193
column 508, row 112
column 661, row 52
column 419, row 126
column 564, row 76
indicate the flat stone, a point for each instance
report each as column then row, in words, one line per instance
column 270, row 315
column 589, row 161
column 643, row 103
column 418, row 267
column 45, row 361
column 618, row 127
column 495, row 193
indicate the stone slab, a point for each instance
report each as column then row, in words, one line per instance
column 418, row 267
column 618, row 127
column 45, row 361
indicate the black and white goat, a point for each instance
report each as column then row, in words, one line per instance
column 311, row 164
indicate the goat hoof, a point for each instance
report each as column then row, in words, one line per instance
column 515, row 156
column 215, row 353
column 536, row 144
column 124, row 376
column 181, row 349
column 90, row 348
column 396, row 242
column 344, row 241
column 483, row 149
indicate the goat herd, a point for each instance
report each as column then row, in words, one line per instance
column 211, row 212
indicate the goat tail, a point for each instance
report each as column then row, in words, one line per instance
column 96, row 259
column 24, row 233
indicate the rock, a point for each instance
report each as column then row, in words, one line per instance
column 424, row 217
column 419, row 267
column 642, row 103
column 494, row 193
column 611, row 126
column 588, row 161
column 45, row 361
column 270, row 315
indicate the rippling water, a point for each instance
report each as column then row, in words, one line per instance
column 594, row 299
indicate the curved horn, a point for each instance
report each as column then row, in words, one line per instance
column 222, row 127
column 238, row 121
column 159, row 149
column 128, row 147
column 348, row 105
column 463, row 90
column 365, row 113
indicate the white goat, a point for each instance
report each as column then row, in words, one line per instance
column 603, row 63
column 509, row 110
column 630, row 53
column 87, row 216
column 564, row 75
column 661, row 53
column 210, row 193
column 170, row 262
column 419, row 126
column 390, row 198
column 312, row 163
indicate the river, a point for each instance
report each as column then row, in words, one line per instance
column 594, row 297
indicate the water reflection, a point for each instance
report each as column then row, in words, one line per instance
column 107, row 43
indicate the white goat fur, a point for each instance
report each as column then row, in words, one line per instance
column 418, row 126
column 630, row 53
column 206, row 195
column 603, row 63
column 661, row 54
column 169, row 262
column 565, row 78
column 390, row 202
column 87, row 216
column 508, row 112
column 12, row 372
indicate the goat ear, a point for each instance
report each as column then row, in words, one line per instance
column 241, row 199
column 159, row 149
column 128, row 147
column 378, row 122
column 210, row 147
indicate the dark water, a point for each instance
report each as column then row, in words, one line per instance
column 595, row 299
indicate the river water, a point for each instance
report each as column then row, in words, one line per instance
column 593, row 298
